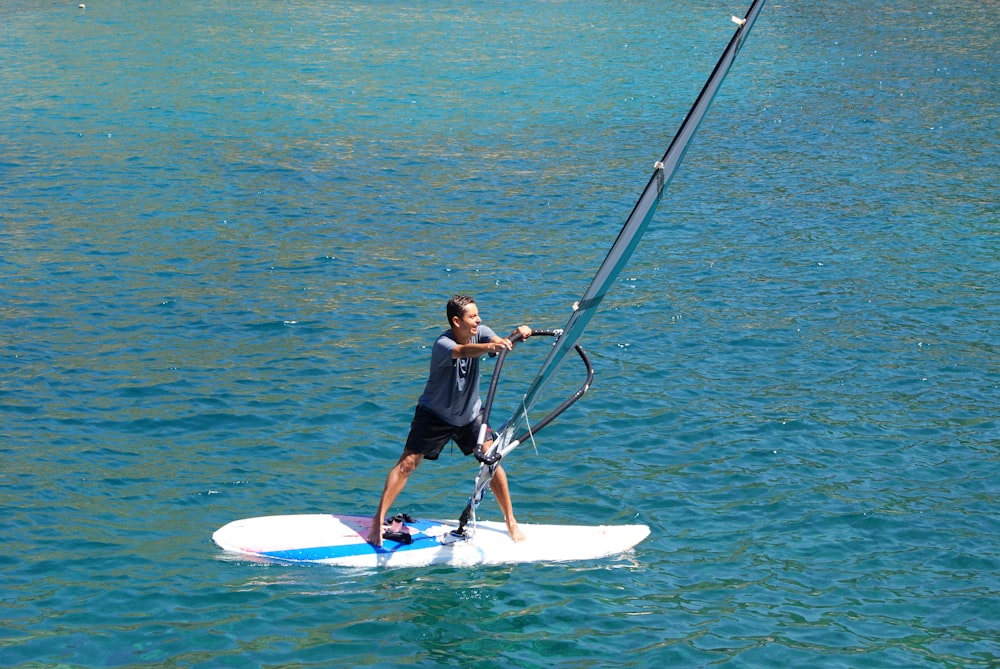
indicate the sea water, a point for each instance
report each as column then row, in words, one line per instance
column 227, row 233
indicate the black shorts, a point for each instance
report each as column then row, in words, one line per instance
column 429, row 434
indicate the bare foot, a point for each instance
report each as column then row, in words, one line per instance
column 375, row 535
column 516, row 535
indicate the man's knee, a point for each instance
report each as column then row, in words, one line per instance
column 408, row 462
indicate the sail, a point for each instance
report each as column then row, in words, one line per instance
column 629, row 236
column 511, row 433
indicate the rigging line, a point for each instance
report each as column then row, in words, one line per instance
column 527, row 426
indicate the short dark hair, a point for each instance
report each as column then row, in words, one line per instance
column 457, row 305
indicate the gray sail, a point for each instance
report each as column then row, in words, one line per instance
column 636, row 224
column 629, row 236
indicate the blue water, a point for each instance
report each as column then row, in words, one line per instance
column 227, row 232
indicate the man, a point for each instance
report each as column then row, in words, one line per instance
column 450, row 408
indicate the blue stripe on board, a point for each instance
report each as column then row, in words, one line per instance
column 316, row 553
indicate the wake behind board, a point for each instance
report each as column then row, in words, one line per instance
column 340, row 540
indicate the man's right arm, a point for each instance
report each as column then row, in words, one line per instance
column 495, row 345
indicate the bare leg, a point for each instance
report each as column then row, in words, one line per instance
column 499, row 487
column 394, row 484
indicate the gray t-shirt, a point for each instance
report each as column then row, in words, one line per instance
column 452, row 390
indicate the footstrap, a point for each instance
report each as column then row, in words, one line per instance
column 398, row 537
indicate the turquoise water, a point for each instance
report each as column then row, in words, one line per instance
column 228, row 231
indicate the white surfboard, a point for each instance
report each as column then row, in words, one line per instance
column 340, row 540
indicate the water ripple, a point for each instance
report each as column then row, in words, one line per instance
column 226, row 238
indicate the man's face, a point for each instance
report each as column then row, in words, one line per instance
column 467, row 324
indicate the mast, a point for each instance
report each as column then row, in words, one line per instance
column 620, row 252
